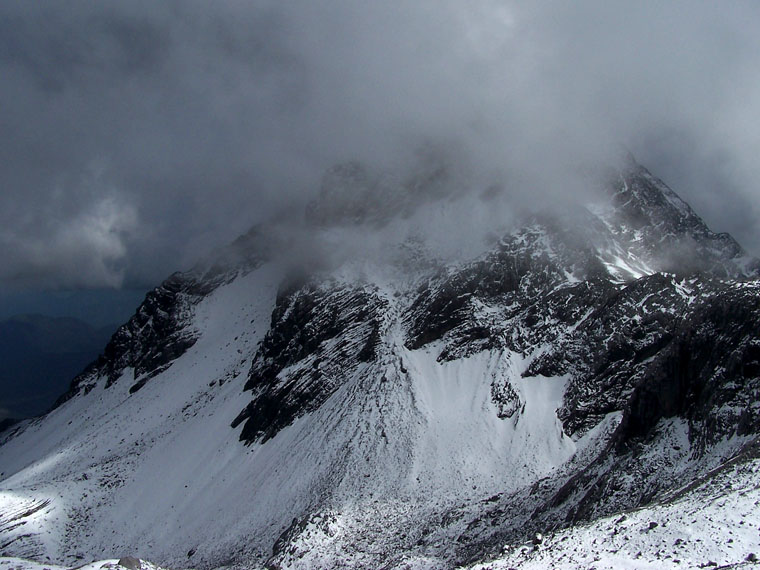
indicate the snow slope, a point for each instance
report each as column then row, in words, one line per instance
column 146, row 446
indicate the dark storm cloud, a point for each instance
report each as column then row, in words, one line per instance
column 137, row 135
column 132, row 130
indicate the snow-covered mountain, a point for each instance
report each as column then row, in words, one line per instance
column 382, row 391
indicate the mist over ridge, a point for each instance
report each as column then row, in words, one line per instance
column 141, row 136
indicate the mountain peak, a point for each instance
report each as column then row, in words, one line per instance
column 655, row 223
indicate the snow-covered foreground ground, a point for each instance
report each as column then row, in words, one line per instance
column 127, row 563
column 713, row 525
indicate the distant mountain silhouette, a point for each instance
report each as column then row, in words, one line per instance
column 40, row 355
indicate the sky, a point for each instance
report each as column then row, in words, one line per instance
column 138, row 135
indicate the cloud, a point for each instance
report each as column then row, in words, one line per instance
column 71, row 249
column 206, row 119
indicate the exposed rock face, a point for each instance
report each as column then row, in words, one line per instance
column 320, row 333
column 708, row 372
column 148, row 343
column 513, row 283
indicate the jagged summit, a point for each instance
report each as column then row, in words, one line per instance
column 637, row 224
column 384, row 401
column 653, row 219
